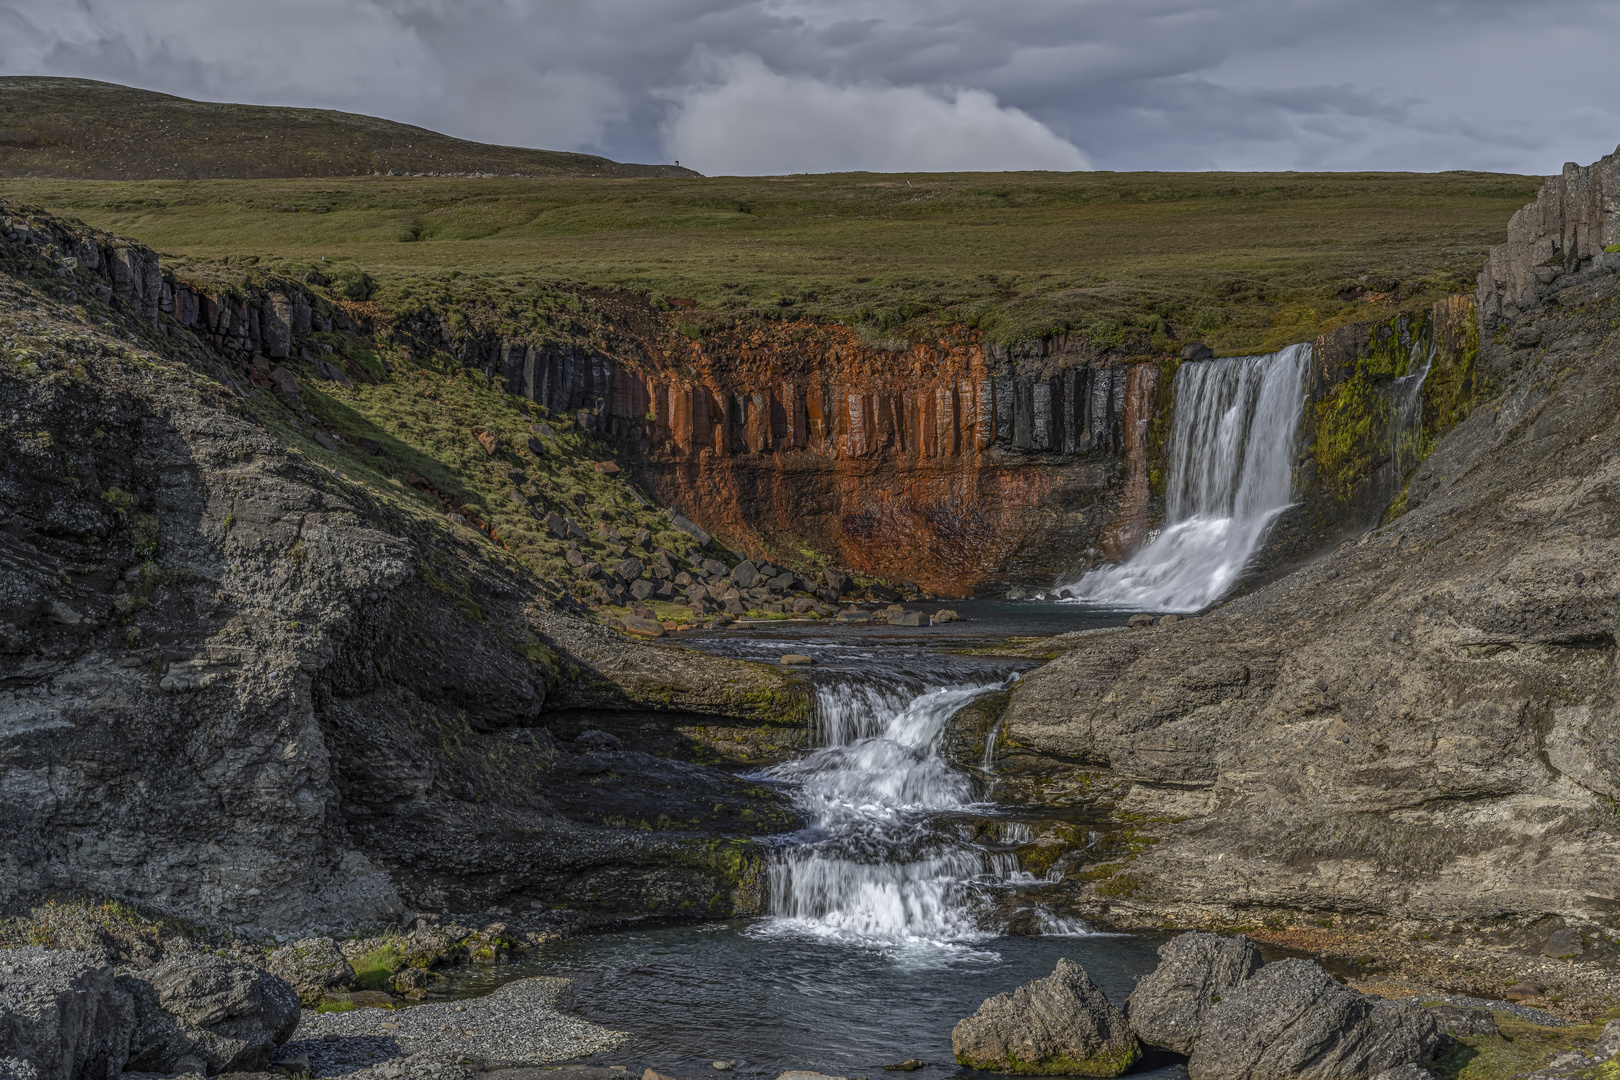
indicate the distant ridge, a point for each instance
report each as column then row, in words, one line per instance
column 80, row 129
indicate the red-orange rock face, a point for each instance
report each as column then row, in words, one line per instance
column 952, row 464
column 939, row 465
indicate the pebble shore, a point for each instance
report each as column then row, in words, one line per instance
column 519, row 1022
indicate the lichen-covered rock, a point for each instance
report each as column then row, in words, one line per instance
column 1059, row 1025
column 313, row 967
column 62, row 1016
column 227, row 1014
column 1196, row 971
column 1291, row 1019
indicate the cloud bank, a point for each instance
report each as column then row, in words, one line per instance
column 815, row 85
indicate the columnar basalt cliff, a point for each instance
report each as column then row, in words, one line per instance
column 1420, row 724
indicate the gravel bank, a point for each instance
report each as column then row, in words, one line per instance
column 518, row 1023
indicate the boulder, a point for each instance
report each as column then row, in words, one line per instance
column 313, row 967
column 883, row 592
column 909, row 618
column 796, row 659
column 641, row 589
column 854, row 616
column 489, row 442
column 1059, row 1025
column 643, row 627
column 744, row 575
column 836, row 581
column 227, row 1014
column 1291, row 1019
column 629, row 569
column 1456, row 1020
column 1139, row 620
column 62, row 1016
column 945, row 615
column 1196, row 971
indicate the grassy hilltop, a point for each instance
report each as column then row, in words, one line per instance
column 1141, row 261
column 96, row 130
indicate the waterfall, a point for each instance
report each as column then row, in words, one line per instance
column 1406, row 419
column 1232, row 449
column 877, row 862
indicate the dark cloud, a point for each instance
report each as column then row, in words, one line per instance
column 797, row 85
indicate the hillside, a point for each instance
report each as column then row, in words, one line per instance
column 102, row 131
column 1138, row 263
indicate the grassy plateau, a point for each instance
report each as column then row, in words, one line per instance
column 1139, row 261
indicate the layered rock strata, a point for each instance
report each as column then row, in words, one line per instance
column 238, row 687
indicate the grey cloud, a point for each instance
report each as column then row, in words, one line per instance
column 1157, row 84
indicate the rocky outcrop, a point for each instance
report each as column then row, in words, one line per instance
column 1417, row 725
column 1196, row 972
column 202, row 1013
column 1291, row 1019
column 62, row 1017
column 1059, row 1025
column 313, row 967
column 1555, row 243
column 238, row 687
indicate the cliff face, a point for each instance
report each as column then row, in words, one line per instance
column 1419, row 725
column 950, row 463
column 243, row 688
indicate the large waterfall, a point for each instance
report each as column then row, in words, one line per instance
column 1232, row 449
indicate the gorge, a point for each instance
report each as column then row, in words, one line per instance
column 312, row 619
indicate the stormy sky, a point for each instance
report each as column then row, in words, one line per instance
column 777, row 86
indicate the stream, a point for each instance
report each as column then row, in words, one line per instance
column 891, row 913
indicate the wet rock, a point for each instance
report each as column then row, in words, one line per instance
column 909, row 618
column 313, row 967
column 62, row 1016
column 1061, row 1024
column 230, row 1015
column 1291, row 1019
column 944, row 615
column 1457, row 1020
column 796, row 659
column 643, row 627
column 1196, row 971
column 1197, row 351
column 1016, row 593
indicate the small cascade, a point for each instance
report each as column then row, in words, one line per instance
column 1406, row 409
column 882, row 861
column 1232, row 448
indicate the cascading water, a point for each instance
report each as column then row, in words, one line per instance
column 1406, row 408
column 1232, row 449
column 880, row 861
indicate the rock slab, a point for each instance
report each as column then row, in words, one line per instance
column 1059, row 1025
column 313, row 967
column 229, row 1015
column 62, row 1016
column 1291, row 1019
column 1196, row 972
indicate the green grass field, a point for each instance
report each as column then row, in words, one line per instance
column 1139, row 261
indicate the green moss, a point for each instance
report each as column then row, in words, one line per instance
column 1105, row 1063
column 1520, row 1049
column 373, row 969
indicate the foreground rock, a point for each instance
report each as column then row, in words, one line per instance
column 1196, row 972
column 313, row 967
column 62, row 1017
column 199, row 1010
column 1292, row 1020
column 1059, row 1025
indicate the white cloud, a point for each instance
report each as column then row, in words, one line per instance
column 743, row 118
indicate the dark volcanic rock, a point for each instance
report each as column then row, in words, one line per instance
column 1196, row 971
column 1059, row 1025
column 1291, row 1019
column 62, row 1017
column 229, row 1015
column 313, row 967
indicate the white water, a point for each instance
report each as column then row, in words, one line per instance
column 1406, row 399
column 1232, row 449
column 876, row 865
